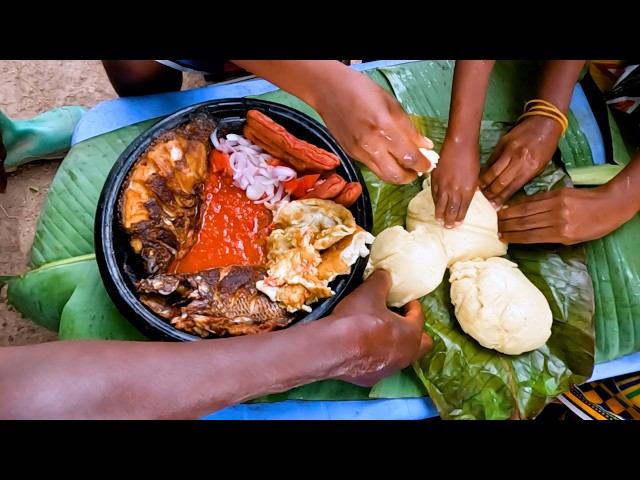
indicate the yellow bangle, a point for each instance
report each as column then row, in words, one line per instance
column 545, row 109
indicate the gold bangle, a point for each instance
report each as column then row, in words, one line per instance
column 546, row 109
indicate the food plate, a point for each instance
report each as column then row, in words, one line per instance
column 120, row 267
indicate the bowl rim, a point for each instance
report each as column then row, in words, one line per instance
column 135, row 312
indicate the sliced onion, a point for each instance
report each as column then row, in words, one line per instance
column 252, row 172
column 254, row 192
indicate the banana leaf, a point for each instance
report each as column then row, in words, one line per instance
column 613, row 261
column 592, row 175
column 65, row 233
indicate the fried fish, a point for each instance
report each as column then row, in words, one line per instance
column 162, row 195
column 219, row 301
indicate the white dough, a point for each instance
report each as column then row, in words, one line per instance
column 416, row 261
column 498, row 305
column 477, row 236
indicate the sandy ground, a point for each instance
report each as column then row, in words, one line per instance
column 29, row 88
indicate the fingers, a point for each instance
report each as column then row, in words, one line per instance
column 493, row 168
column 428, row 143
column 382, row 163
column 489, row 176
column 451, row 209
column 505, row 185
column 537, row 235
column 404, row 143
column 413, row 313
column 529, row 220
column 526, row 199
column 405, row 151
column 379, row 282
column 440, row 199
column 415, row 161
column 426, row 346
column 526, row 206
column 464, row 208
column 390, row 171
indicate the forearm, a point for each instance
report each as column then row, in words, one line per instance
column 141, row 380
column 558, row 80
column 468, row 93
column 308, row 80
column 624, row 189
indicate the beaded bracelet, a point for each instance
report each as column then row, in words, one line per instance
column 546, row 109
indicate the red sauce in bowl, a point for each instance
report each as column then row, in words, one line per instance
column 233, row 230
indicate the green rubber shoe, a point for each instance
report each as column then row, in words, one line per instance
column 45, row 136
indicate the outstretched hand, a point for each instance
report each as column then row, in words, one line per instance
column 373, row 128
column 564, row 215
column 519, row 156
column 383, row 341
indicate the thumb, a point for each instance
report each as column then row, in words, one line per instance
column 426, row 346
column 379, row 282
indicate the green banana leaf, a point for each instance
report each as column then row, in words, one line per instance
column 592, row 175
column 65, row 233
column 467, row 381
column 613, row 260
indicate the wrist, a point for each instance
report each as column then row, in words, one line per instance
column 542, row 108
column 543, row 125
column 462, row 140
column 322, row 347
column 335, row 77
column 622, row 201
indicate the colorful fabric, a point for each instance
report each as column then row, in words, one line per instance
column 619, row 81
column 616, row 398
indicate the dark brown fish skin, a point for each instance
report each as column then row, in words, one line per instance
column 219, row 301
column 169, row 218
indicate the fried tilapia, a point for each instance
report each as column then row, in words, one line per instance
column 219, row 301
column 162, row 195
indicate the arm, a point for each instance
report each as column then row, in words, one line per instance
column 524, row 152
column 573, row 215
column 455, row 180
column 367, row 121
column 114, row 379
column 141, row 77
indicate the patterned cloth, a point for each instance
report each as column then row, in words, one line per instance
column 616, row 398
column 619, row 81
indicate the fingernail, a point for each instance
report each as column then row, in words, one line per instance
column 409, row 159
column 458, row 223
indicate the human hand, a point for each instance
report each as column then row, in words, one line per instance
column 380, row 342
column 564, row 215
column 518, row 157
column 373, row 128
column 454, row 182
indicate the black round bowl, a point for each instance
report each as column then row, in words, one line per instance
column 120, row 266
